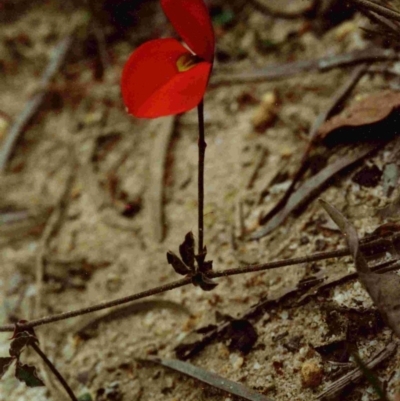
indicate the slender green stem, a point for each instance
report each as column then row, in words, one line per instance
column 202, row 151
column 54, row 370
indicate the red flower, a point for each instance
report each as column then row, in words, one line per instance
column 162, row 77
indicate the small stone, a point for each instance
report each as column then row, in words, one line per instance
column 236, row 361
column 256, row 366
column 265, row 114
column 311, row 373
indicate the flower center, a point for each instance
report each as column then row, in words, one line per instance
column 187, row 61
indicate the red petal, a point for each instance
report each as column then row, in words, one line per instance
column 152, row 86
column 182, row 93
column 191, row 20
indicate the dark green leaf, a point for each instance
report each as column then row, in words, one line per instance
column 85, row 397
column 186, row 249
column 223, row 18
column 28, row 375
column 177, row 264
column 4, row 365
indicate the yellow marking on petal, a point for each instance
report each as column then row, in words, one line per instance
column 187, row 61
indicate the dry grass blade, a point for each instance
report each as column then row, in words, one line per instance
column 383, row 289
column 210, row 378
column 350, row 233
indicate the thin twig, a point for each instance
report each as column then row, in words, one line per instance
column 187, row 280
column 334, row 105
column 285, row 70
column 50, row 230
column 202, row 150
column 295, row 261
column 100, row 306
column 391, row 26
column 33, row 104
column 377, row 8
column 54, row 371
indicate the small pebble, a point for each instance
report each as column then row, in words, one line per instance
column 265, row 114
column 236, row 361
column 311, row 373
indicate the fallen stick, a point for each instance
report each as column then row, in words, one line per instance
column 286, row 70
column 33, row 104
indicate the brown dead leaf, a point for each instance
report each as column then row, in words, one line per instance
column 371, row 109
column 383, row 289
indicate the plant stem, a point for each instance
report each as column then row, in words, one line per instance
column 54, row 370
column 100, row 306
column 202, row 151
column 376, row 244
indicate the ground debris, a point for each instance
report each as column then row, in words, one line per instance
column 339, row 385
column 382, row 288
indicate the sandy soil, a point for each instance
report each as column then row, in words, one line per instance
column 87, row 177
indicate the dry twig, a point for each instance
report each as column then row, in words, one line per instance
column 378, row 9
column 286, row 70
column 33, row 104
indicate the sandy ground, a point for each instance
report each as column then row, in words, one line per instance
column 87, row 176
